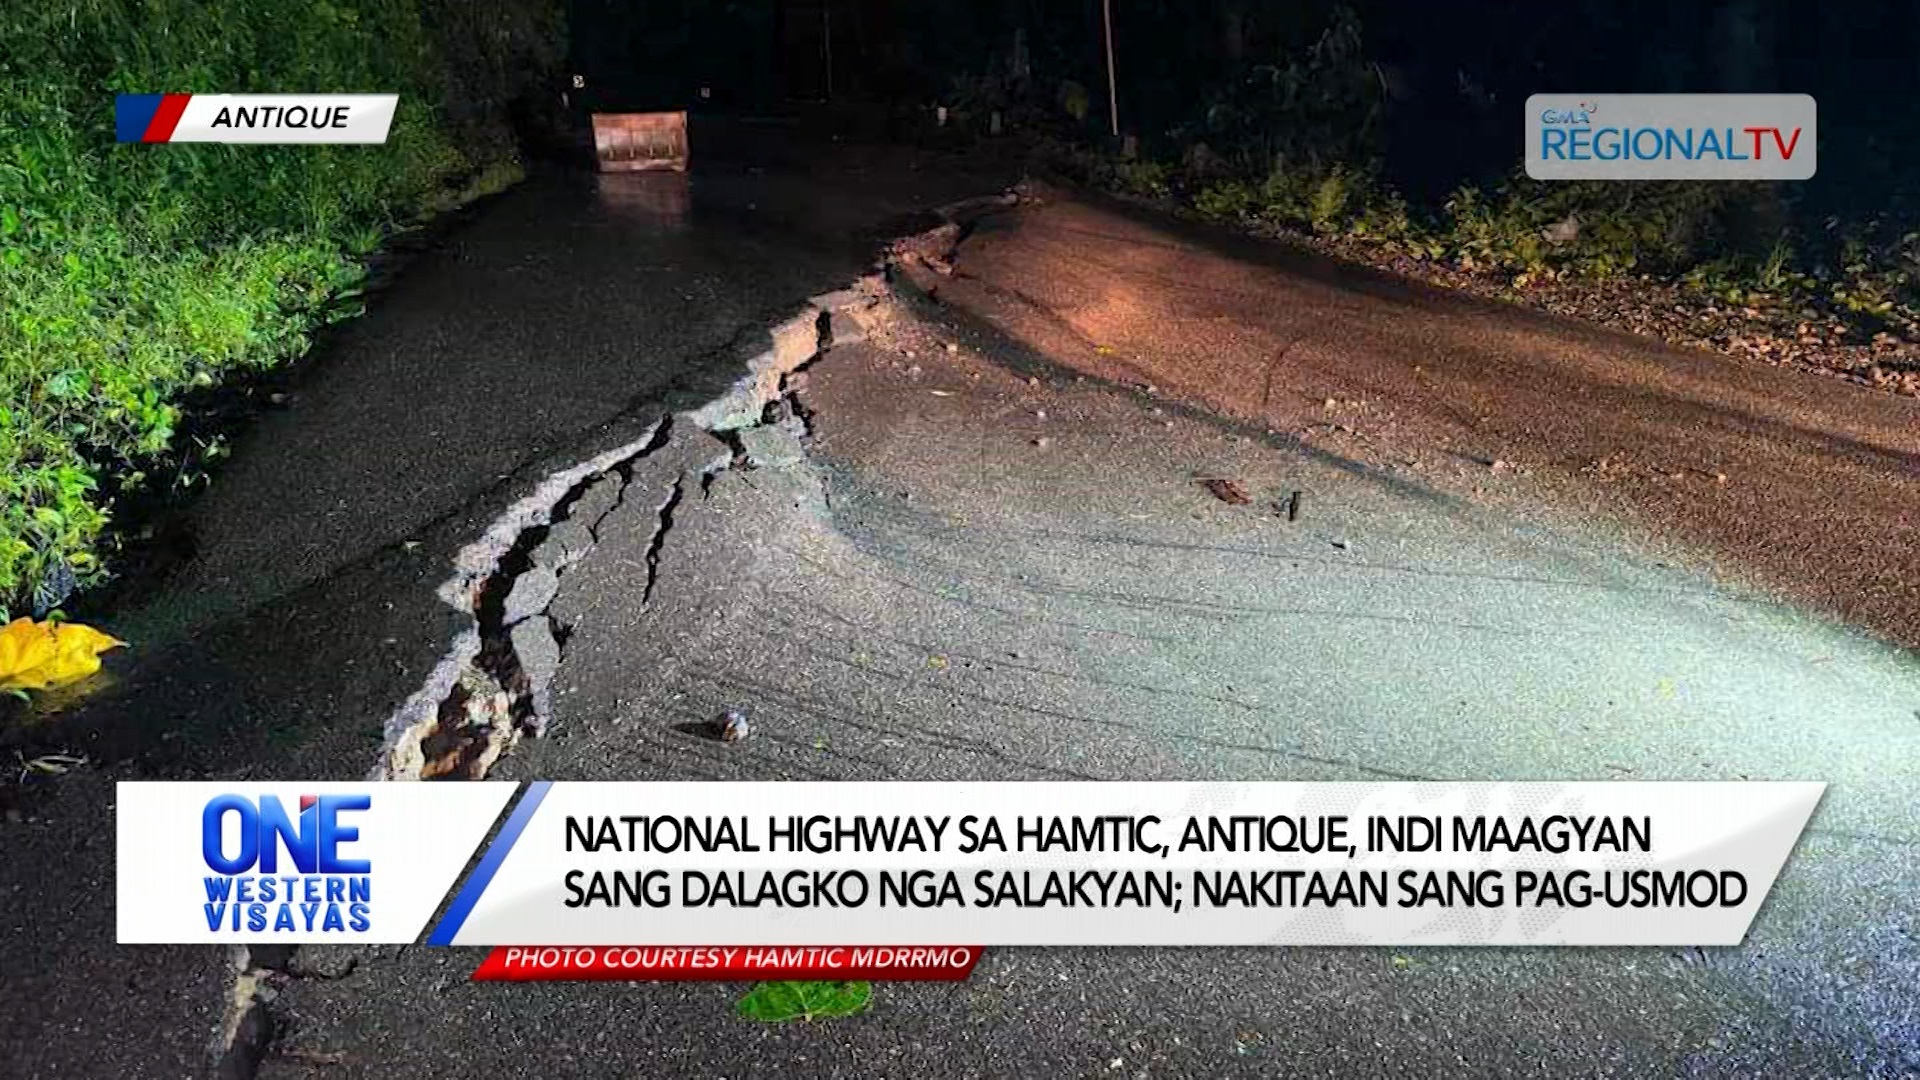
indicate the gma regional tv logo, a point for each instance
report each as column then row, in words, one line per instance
column 1671, row 136
column 275, row 871
column 253, row 118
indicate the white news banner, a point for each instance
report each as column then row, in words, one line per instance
column 286, row 118
column 962, row 863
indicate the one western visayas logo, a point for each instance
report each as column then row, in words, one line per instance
column 278, row 872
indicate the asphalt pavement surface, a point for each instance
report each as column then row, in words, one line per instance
column 988, row 561
column 559, row 319
column 992, row 555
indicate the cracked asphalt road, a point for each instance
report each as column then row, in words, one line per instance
column 952, row 585
column 948, row 584
column 559, row 321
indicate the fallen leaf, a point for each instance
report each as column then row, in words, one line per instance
column 51, row 764
column 1226, row 491
column 37, row 656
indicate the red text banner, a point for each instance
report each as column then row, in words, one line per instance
column 732, row 963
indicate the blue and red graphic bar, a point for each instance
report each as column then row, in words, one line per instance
column 148, row 118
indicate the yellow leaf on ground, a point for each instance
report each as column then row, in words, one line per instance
column 24, row 646
column 38, row 656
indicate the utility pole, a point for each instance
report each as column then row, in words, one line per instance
column 826, row 42
column 1113, row 86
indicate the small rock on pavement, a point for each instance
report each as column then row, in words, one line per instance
column 566, row 543
column 539, row 655
column 771, row 446
column 530, row 595
column 1227, row 491
column 537, row 650
column 732, row 725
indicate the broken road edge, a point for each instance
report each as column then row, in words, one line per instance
column 492, row 686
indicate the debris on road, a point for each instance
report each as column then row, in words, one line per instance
column 1227, row 491
column 530, row 595
column 779, row 1002
column 538, row 652
column 932, row 249
column 732, row 726
column 1289, row 507
column 48, row 765
column 773, row 446
column 44, row 655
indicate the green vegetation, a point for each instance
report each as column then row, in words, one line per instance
column 1532, row 231
column 779, row 1002
column 132, row 275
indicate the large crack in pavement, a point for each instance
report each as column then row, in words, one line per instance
column 491, row 687
column 659, row 539
column 1141, row 632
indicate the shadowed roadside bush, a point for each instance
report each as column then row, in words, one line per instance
column 130, row 275
column 1293, row 144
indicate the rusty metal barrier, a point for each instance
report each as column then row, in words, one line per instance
column 630, row 142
